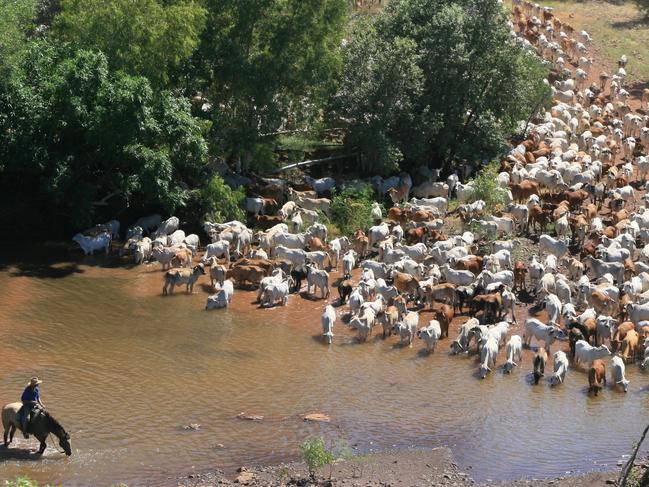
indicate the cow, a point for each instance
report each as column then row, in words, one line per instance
column 514, row 352
column 617, row 373
column 540, row 359
column 430, row 335
column 596, row 376
column 175, row 277
column 560, row 368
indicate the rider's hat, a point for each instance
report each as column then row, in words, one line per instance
column 35, row 381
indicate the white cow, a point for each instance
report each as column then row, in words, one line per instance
column 488, row 355
column 328, row 320
column 560, row 368
column 407, row 328
column 542, row 332
column 585, row 353
column 220, row 248
column 617, row 372
column 514, row 352
column 90, row 244
column 430, row 334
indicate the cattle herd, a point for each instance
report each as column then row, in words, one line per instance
column 574, row 187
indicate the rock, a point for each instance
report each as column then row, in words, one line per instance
column 323, row 418
column 245, row 478
column 250, row 417
column 610, row 482
column 192, row 427
column 219, row 445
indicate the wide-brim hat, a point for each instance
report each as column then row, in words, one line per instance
column 34, row 381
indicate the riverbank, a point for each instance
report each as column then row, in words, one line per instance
column 392, row 468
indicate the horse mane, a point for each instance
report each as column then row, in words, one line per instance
column 54, row 424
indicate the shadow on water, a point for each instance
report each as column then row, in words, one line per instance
column 51, row 260
column 19, row 454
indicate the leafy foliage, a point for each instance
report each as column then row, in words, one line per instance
column 77, row 138
column 266, row 65
column 316, row 455
column 222, row 203
column 15, row 23
column 486, row 187
column 142, row 37
column 351, row 208
column 433, row 81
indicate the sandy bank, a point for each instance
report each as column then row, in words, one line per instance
column 392, row 468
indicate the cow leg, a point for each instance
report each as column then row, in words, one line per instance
column 41, row 450
column 6, row 436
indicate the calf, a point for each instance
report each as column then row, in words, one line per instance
column 596, row 376
column 319, row 279
column 540, row 331
column 540, row 359
column 430, row 335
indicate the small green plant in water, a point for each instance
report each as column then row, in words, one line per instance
column 316, row 455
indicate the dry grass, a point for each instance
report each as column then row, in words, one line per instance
column 615, row 29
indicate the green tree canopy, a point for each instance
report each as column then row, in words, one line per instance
column 265, row 64
column 142, row 37
column 432, row 81
column 75, row 136
column 15, row 23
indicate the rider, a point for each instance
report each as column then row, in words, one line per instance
column 30, row 398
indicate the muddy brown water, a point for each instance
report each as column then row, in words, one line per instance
column 126, row 369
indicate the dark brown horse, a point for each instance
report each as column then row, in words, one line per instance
column 41, row 426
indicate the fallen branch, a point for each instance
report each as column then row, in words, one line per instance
column 311, row 162
column 626, row 470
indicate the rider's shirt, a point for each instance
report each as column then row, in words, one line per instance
column 30, row 394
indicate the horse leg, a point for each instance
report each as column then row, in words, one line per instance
column 6, row 436
column 41, row 450
column 12, row 432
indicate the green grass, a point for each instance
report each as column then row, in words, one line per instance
column 615, row 29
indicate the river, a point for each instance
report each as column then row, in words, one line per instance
column 125, row 370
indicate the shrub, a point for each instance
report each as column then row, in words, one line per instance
column 221, row 202
column 21, row 482
column 316, row 455
column 487, row 189
column 351, row 209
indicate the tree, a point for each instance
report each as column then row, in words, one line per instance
column 15, row 23
column 434, row 81
column 351, row 209
column 643, row 7
column 142, row 37
column 222, row 203
column 78, row 141
column 266, row 65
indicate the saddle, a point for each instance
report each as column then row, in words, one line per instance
column 36, row 412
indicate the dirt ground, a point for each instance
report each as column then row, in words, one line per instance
column 389, row 469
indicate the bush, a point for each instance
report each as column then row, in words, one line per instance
column 351, row 209
column 222, row 203
column 21, row 482
column 315, row 454
column 487, row 189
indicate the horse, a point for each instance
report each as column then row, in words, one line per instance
column 40, row 426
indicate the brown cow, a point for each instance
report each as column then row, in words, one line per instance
column 416, row 235
column 445, row 316
column 406, row 284
column 472, row 264
column 266, row 264
column 596, row 376
column 520, row 271
column 629, row 346
column 523, row 190
column 243, row 274
column 265, row 222
column 620, row 333
column 360, row 243
column 442, row 293
column 183, row 258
